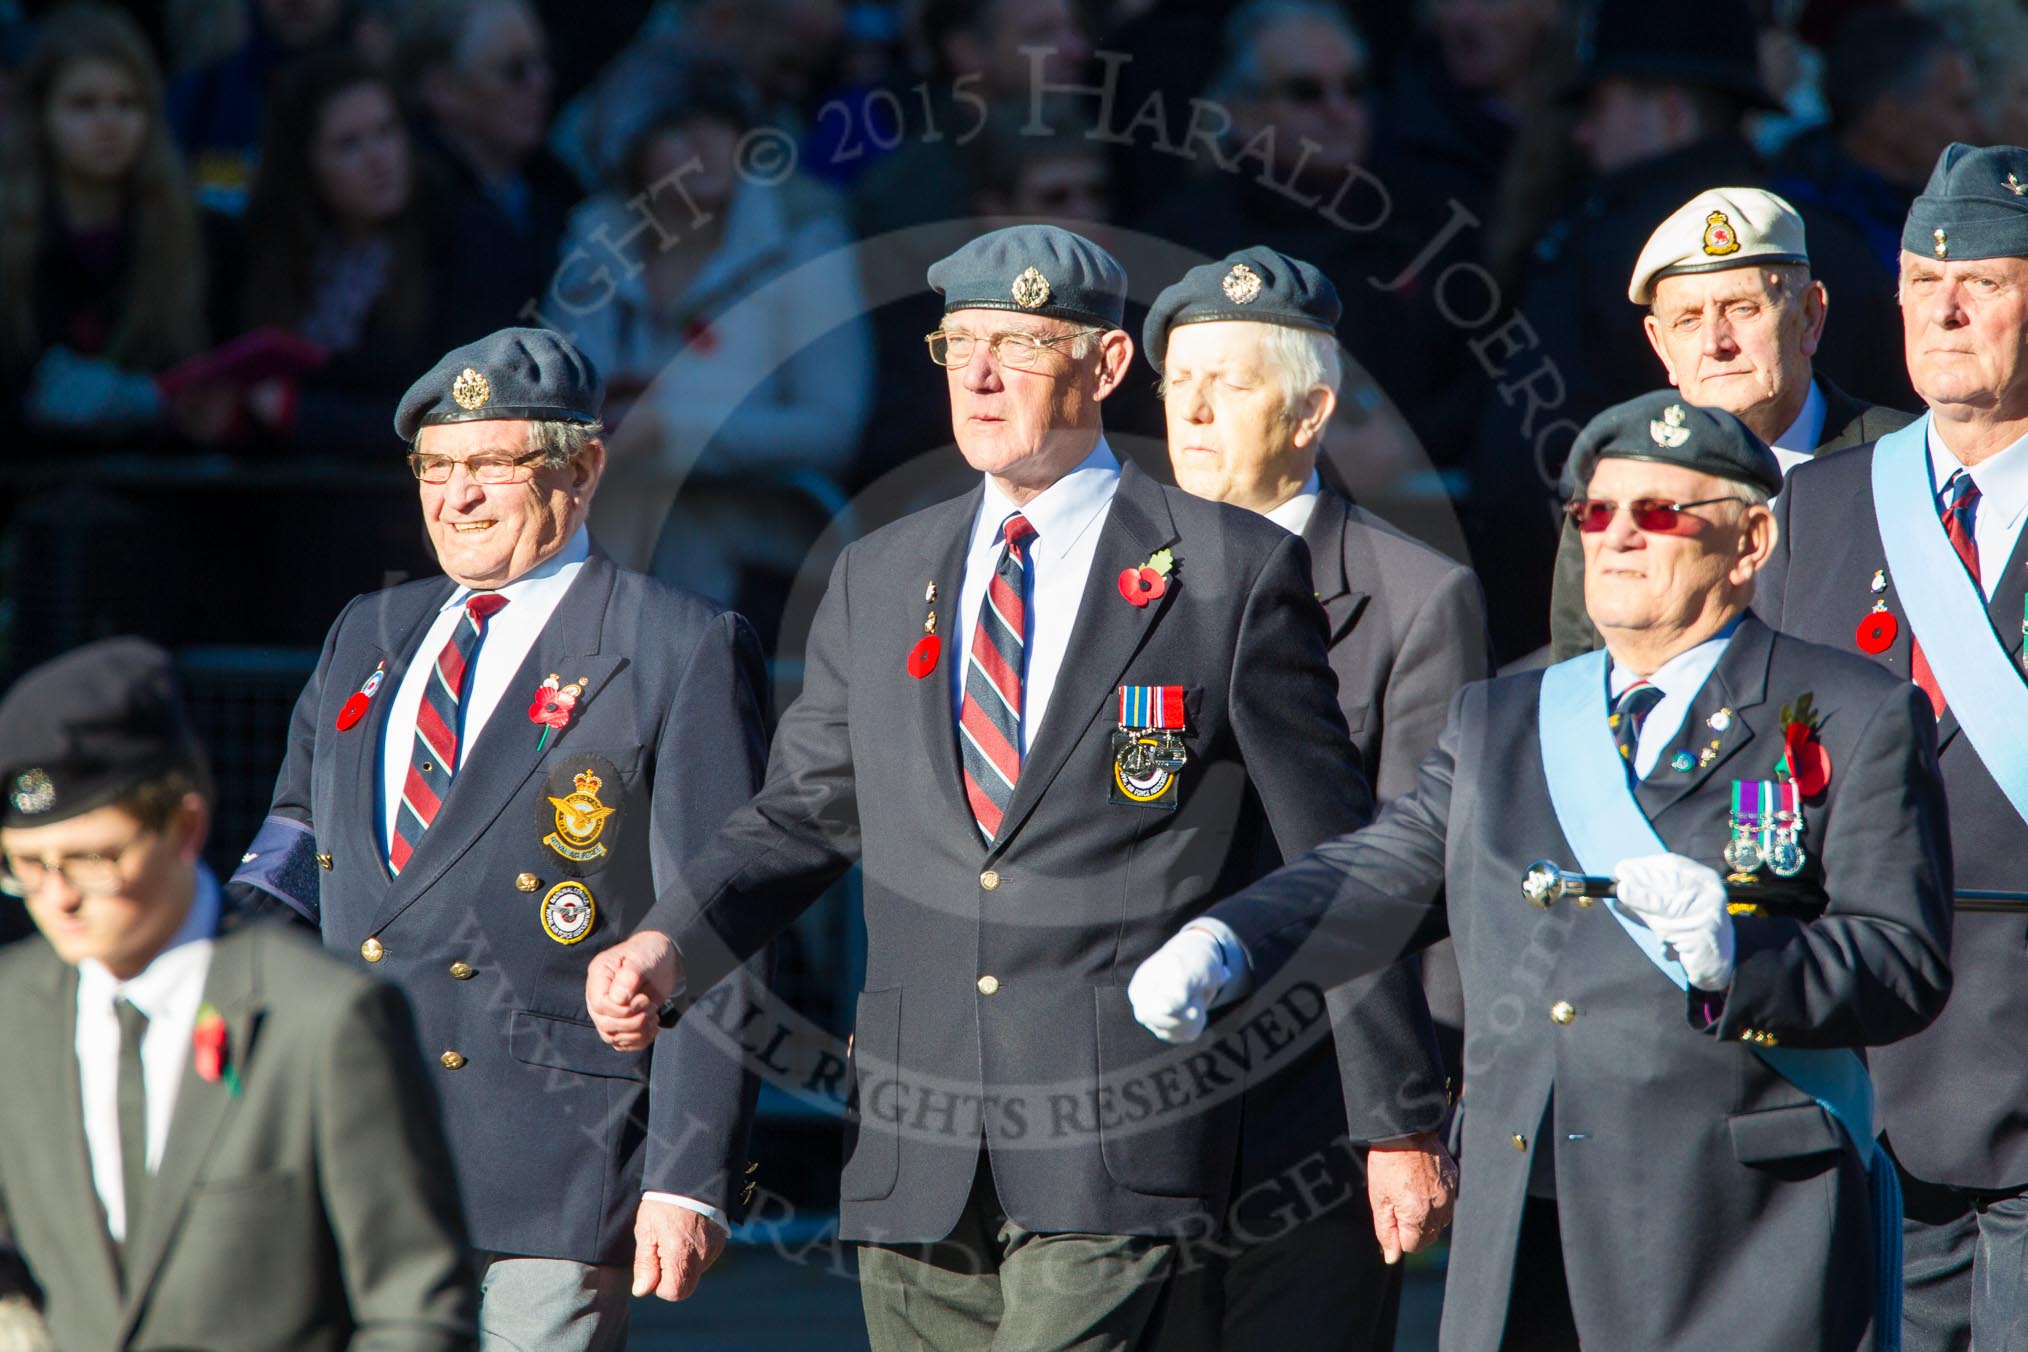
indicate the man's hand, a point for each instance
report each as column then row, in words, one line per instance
column 626, row 986
column 1683, row 902
column 1412, row 1184
column 673, row 1245
column 1173, row 991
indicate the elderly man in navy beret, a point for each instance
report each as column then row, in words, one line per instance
column 1909, row 550
column 481, row 857
column 1248, row 355
column 1052, row 718
column 1669, row 1133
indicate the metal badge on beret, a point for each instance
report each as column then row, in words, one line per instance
column 33, row 792
column 1031, row 290
column 471, row 389
column 568, row 912
column 1241, row 285
column 1719, row 236
column 1670, row 432
column 577, row 814
column 1943, row 247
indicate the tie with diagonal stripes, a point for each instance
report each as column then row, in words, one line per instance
column 434, row 757
column 989, row 720
column 1630, row 711
column 1961, row 500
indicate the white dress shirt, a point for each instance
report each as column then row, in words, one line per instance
column 1294, row 515
column 1805, row 434
column 510, row 634
column 1067, row 517
column 2002, row 481
column 169, row 990
column 1679, row 679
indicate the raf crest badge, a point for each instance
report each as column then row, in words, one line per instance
column 1148, row 752
column 33, row 792
column 1670, row 431
column 568, row 912
column 1241, row 285
column 1031, row 290
column 1720, row 238
column 576, row 823
column 471, row 389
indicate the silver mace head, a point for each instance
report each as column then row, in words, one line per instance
column 1545, row 884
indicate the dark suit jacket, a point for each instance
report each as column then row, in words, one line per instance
column 313, row 1211
column 1848, row 422
column 995, row 1006
column 1693, row 1183
column 1954, row 1100
column 554, row 1134
column 1406, row 627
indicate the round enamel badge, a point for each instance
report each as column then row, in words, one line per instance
column 568, row 912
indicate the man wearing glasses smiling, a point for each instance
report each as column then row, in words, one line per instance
column 1052, row 718
column 1670, row 1136
column 490, row 777
column 170, row 1178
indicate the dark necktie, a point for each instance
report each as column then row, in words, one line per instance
column 133, row 1103
column 433, row 758
column 989, row 718
column 1630, row 711
column 1961, row 500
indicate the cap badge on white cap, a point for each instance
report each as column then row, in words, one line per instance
column 1720, row 238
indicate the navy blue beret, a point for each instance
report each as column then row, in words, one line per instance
column 1037, row 270
column 1257, row 283
column 1975, row 205
column 82, row 730
column 1663, row 426
column 526, row 374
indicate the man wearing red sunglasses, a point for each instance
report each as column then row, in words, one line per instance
column 1668, row 1129
column 1735, row 317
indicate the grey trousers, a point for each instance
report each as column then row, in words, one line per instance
column 995, row 1285
column 551, row 1305
column 1964, row 1256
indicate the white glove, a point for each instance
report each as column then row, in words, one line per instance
column 76, row 392
column 1173, row 991
column 1683, row 902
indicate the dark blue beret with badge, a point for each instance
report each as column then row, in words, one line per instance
column 1258, row 283
column 1037, row 270
column 1664, row 427
column 521, row 374
column 1975, row 205
column 85, row 729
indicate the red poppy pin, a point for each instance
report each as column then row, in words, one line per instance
column 552, row 707
column 356, row 703
column 1876, row 633
column 1803, row 757
column 210, row 1054
column 1150, row 581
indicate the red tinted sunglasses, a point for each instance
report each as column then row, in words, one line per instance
column 1652, row 515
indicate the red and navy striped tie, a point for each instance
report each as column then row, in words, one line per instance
column 989, row 720
column 434, row 758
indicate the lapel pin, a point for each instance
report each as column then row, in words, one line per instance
column 1682, row 762
column 1719, row 721
column 1879, row 582
column 357, row 702
column 552, row 707
column 210, row 1055
column 1150, row 581
column 1876, row 633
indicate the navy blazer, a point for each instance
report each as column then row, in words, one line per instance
column 1955, row 1099
column 1692, row 1182
column 554, row 1135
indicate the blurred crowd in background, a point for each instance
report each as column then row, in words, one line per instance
column 235, row 230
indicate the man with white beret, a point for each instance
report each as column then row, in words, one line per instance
column 1735, row 317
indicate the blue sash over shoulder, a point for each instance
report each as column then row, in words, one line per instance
column 1948, row 612
column 1595, row 807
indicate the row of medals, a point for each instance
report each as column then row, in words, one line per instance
column 1745, row 853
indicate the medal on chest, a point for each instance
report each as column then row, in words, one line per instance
column 1148, row 750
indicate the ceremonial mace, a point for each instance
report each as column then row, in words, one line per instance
column 1545, row 884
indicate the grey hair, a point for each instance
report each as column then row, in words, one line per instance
column 1302, row 359
column 1241, row 76
column 1753, row 495
column 561, row 442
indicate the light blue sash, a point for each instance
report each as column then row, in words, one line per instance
column 1948, row 613
column 1595, row 807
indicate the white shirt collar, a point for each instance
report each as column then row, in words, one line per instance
column 2002, row 479
column 187, row 950
column 1683, row 675
column 556, row 571
column 1806, row 433
column 1294, row 515
column 1061, row 512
